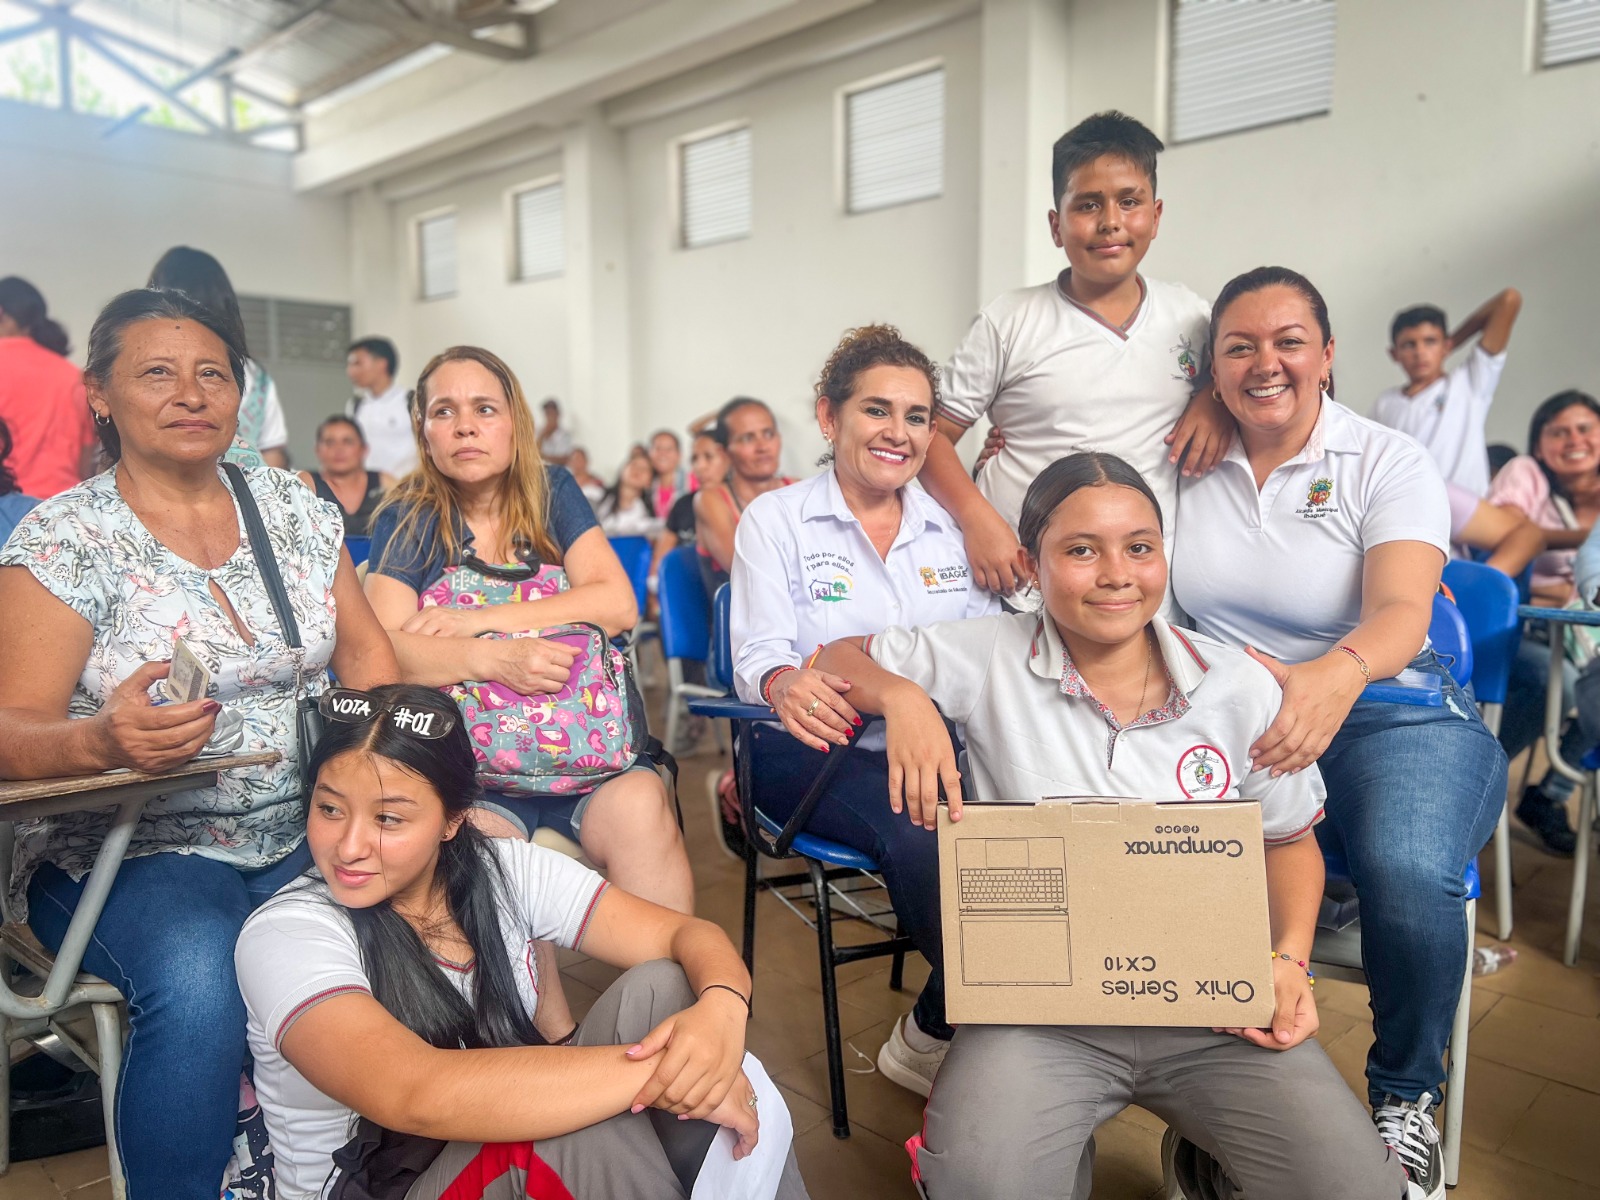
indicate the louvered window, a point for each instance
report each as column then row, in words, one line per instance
column 295, row 330
column 1238, row 64
column 436, row 256
column 894, row 142
column 541, row 231
column 715, row 173
column 1569, row 30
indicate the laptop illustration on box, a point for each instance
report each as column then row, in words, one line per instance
column 1014, row 891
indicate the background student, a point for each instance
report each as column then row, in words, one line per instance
column 41, row 396
column 1098, row 358
column 749, row 437
column 381, row 406
column 344, row 478
column 1446, row 411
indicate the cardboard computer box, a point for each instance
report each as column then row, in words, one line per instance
column 1080, row 911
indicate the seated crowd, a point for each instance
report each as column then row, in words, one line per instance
column 366, row 926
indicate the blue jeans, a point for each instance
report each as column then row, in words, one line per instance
column 856, row 813
column 1413, row 795
column 165, row 939
column 1522, row 722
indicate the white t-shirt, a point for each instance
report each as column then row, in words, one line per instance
column 805, row 573
column 385, row 421
column 557, row 443
column 1056, row 379
column 264, row 429
column 1033, row 729
column 1447, row 417
column 299, row 949
column 1280, row 569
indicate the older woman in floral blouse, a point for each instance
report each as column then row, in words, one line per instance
column 96, row 586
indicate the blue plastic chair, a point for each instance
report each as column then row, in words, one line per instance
column 1337, row 955
column 635, row 554
column 685, row 634
column 825, row 860
column 1488, row 600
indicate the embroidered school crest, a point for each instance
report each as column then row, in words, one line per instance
column 1188, row 360
column 930, row 577
column 831, row 591
column 1203, row 772
column 1321, row 492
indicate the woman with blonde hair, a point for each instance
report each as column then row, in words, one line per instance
column 482, row 498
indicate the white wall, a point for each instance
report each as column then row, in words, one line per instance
column 524, row 322
column 1446, row 171
column 759, row 316
column 84, row 217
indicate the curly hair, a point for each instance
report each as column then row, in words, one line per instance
column 862, row 349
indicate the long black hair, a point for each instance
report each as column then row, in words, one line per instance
column 8, row 477
column 200, row 276
column 1543, row 415
column 1260, row 279
column 405, row 977
column 25, row 305
column 1088, row 468
column 143, row 304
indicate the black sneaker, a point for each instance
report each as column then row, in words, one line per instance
column 1409, row 1129
column 1548, row 819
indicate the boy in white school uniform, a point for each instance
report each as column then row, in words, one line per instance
column 1445, row 411
column 1099, row 358
column 1097, row 695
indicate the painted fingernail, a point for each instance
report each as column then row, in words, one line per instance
column 683, row 1116
column 634, row 1049
column 637, row 1108
column 858, row 720
column 210, row 706
column 825, row 749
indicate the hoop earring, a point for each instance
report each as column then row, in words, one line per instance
column 1326, row 383
column 102, row 419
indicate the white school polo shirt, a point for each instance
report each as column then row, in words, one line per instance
column 1033, row 729
column 1447, row 417
column 1280, row 569
column 1056, row 379
column 299, row 949
column 805, row 574
column 385, row 421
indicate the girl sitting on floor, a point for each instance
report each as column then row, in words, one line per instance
column 393, row 999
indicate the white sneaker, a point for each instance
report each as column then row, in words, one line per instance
column 1410, row 1130
column 911, row 1069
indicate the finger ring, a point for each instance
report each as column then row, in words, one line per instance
column 752, row 1101
column 812, row 707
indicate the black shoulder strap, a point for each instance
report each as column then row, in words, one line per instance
column 261, row 547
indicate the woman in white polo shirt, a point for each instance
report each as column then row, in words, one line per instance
column 844, row 553
column 1097, row 695
column 1318, row 543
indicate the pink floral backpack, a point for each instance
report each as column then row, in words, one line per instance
column 564, row 744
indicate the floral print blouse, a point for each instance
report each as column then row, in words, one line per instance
column 94, row 554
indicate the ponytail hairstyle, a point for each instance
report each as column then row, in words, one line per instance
column 201, row 277
column 405, row 977
column 862, row 349
column 24, row 304
column 1060, row 479
column 8, row 478
column 1259, row 280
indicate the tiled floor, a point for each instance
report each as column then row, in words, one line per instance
column 1533, row 1097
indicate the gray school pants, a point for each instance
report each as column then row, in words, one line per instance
column 1015, row 1107
column 649, row 1156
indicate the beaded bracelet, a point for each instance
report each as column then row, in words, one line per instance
column 772, row 675
column 1299, row 962
column 815, row 654
column 1366, row 674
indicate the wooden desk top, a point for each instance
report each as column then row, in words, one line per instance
column 110, row 787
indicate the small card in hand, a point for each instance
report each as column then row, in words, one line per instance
column 188, row 678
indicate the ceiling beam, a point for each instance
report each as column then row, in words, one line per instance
column 408, row 25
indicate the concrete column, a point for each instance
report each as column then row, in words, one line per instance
column 379, row 277
column 1024, row 90
column 599, row 355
